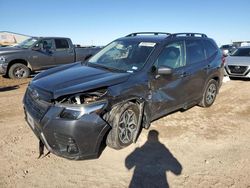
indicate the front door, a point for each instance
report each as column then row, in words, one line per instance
column 43, row 58
column 167, row 91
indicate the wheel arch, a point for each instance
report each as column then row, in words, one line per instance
column 22, row 61
column 215, row 77
column 136, row 100
column 143, row 111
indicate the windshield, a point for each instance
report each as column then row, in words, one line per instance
column 126, row 56
column 28, row 43
column 242, row 52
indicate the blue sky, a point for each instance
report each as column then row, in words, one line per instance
column 98, row 22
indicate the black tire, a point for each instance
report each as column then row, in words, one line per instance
column 209, row 94
column 122, row 133
column 18, row 71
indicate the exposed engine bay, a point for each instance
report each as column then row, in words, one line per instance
column 83, row 98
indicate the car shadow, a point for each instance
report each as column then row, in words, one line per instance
column 242, row 79
column 14, row 87
column 9, row 88
column 151, row 162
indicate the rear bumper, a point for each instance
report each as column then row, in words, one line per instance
column 71, row 139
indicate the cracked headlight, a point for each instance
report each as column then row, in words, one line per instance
column 73, row 112
column 2, row 59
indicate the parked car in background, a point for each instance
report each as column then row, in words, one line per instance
column 228, row 49
column 238, row 63
column 40, row 53
column 132, row 81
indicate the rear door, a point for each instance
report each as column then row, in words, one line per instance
column 195, row 73
column 167, row 91
column 64, row 51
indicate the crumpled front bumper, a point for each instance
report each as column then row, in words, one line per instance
column 3, row 68
column 71, row 139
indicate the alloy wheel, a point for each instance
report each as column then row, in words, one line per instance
column 127, row 126
column 211, row 93
column 19, row 72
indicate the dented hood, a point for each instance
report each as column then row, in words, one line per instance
column 75, row 78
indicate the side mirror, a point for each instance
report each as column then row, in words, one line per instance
column 164, row 71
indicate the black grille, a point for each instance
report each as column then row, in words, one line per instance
column 61, row 139
column 34, row 106
column 237, row 69
column 66, row 144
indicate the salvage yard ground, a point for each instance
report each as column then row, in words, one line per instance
column 196, row 148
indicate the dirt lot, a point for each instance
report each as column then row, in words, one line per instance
column 196, row 148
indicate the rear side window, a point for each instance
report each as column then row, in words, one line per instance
column 195, row 52
column 61, row 43
column 210, row 48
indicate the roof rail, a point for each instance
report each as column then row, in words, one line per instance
column 188, row 35
column 147, row 33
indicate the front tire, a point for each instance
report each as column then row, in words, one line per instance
column 18, row 71
column 124, row 121
column 209, row 94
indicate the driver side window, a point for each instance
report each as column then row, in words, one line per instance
column 171, row 56
column 45, row 45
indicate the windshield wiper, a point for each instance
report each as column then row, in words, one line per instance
column 104, row 67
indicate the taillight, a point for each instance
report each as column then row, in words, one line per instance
column 223, row 60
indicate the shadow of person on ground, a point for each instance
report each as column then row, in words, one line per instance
column 151, row 162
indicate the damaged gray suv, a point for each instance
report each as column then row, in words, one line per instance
column 134, row 80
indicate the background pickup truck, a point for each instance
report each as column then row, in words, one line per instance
column 39, row 53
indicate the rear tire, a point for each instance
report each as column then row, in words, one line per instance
column 124, row 122
column 209, row 94
column 18, row 71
